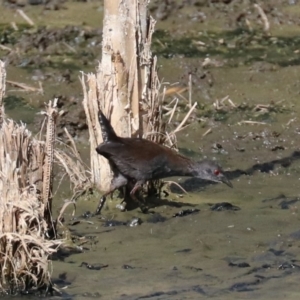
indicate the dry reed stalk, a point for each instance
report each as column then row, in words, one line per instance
column 79, row 174
column 190, row 90
column 174, row 90
column 51, row 114
column 263, row 17
column 6, row 48
column 252, row 122
column 2, row 90
column 24, row 252
column 25, row 213
column 180, row 126
column 14, row 26
column 207, row 132
column 77, row 171
column 25, row 17
column 26, row 87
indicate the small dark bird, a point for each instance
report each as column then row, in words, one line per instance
column 136, row 160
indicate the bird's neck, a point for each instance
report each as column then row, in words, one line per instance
column 193, row 168
column 185, row 167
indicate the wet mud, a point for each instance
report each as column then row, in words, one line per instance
column 214, row 242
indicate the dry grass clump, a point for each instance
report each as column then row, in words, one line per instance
column 26, row 168
column 24, row 251
column 74, row 166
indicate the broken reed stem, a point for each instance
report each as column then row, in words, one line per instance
column 73, row 148
column 190, row 90
column 25, row 17
column 173, row 111
column 51, row 114
column 263, row 17
column 180, row 126
column 2, row 90
column 253, row 123
column 26, row 87
column 177, row 184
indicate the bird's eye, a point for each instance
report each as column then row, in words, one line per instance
column 217, row 172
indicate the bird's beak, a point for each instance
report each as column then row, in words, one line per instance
column 225, row 180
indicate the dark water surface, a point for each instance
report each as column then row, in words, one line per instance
column 250, row 253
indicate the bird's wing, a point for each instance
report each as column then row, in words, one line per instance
column 145, row 160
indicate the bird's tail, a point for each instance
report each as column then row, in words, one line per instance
column 108, row 133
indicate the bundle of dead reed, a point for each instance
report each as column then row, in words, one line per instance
column 24, row 251
column 26, row 166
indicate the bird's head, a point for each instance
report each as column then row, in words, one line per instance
column 209, row 170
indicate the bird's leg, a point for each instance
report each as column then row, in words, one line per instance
column 117, row 182
column 122, row 194
column 142, row 206
column 102, row 202
column 154, row 188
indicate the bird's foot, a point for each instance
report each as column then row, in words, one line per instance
column 121, row 206
column 100, row 216
column 144, row 209
column 88, row 215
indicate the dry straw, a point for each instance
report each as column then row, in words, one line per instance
column 25, row 210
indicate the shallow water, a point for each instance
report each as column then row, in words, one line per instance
column 251, row 253
column 195, row 256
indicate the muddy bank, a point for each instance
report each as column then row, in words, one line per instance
column 252, row 252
